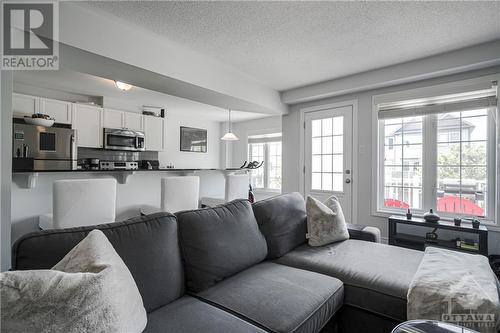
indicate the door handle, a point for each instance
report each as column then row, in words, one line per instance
column 347, row 181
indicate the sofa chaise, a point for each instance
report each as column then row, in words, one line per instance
column 247, row 268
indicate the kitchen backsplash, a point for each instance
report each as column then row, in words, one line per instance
column 116, row 155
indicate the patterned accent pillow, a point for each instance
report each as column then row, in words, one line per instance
column 325, row 222
column 89, row 290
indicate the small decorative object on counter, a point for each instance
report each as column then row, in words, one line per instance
column 432, row 235
column 408, row 214
column 430, row 216
column 251, row 165
column 251, row 196
column 475, row 223
column 457, row 221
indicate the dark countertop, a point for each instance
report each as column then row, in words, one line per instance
column 114, row 171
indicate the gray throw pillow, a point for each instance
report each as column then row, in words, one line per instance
column 89, row 290
column 325, row 222
column 219, row 242
column 282, row 220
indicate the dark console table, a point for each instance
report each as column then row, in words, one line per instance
column 421, row 242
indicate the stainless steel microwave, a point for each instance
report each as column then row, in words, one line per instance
column 124, row 139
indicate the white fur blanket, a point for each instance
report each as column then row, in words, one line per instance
column 455, row 287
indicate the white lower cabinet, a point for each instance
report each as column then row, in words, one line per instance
column 88, row 122
column 154, row 129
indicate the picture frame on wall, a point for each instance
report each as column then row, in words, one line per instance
column 193, row 139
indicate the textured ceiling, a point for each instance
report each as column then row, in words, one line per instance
column 289, row 44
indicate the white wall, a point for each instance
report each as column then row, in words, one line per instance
column 174, row 119
column 239, row 149
column 244, row 129
column 5, row 167
column 291, row 142
column 181, row 159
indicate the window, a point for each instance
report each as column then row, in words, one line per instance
column 267, row 149
column 327, row 154
column 439, row 155
column 403, row 162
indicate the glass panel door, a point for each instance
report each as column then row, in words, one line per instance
column 328, row 153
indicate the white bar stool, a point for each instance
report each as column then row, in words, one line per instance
column 177, row 193
column 81, row 202
column 236, row 187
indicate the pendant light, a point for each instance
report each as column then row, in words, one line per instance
column 229, row 136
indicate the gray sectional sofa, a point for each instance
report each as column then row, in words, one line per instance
column 247, row 268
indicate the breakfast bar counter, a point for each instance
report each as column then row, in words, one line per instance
column 27, row 179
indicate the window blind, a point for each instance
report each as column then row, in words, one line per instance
column 264, row 139
column 444, row 104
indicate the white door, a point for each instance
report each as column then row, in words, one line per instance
column 154, row 130
column 59, row 110
column 113, row 118
column 88, row 122
column 328, row 156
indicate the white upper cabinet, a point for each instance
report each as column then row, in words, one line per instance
column 58, row 110
column 24, row 105
column 88, row 122
column 123, row 119
column 134, row 121
column 154, row 129
column 113, row 118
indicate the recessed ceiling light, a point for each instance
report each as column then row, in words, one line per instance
column 123, row 86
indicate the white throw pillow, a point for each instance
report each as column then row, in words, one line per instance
column 325, row 222
column 89, row 290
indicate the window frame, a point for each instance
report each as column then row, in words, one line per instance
column 429, row 169
column 266, row 141
column 429, row 154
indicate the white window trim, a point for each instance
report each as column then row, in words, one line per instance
column 265, row 141
column 493, row 152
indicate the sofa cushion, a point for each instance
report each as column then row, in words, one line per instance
column 376, row 276
column 147, row 245
column 219, row 242
column 188, row 314
column 279, row 298
column 282, row 220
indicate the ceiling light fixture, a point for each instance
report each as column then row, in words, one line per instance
column 229, row 136
column 123, row 86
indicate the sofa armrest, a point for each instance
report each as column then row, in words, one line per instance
column 361, row 232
